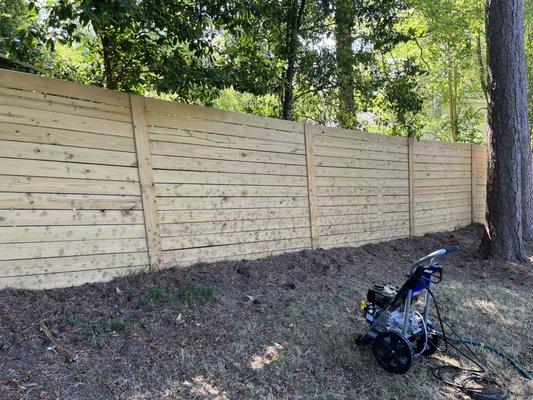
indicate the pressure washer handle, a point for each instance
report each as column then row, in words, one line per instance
column 435, row 255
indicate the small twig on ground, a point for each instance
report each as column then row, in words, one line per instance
column 62, row 349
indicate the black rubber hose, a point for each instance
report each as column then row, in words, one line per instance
column 477, row 343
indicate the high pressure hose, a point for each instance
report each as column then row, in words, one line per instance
column 475, row 384
column 476, row 343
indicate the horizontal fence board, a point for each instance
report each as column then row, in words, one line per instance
column 219, row 153
column 359, row 154
column 194, row 190
column 218, row 239
column 441, row 159
column 361, row 190
column 218, row 127
column 362, row 242
column 46, row 102
column 363, row 208
column 197, row 228
column 443, row 182
column 355, row 219
column 73, row 264
column 155, row 106
column 361, row 200
column 27, row 116
column 346, row 239
column 225, row 141
column 234, row 250
column 167, row 217
column 24, row 184
column 221, row 178
column 207, row 165
column 360, row 227
column 370, row 146
column 355, row 135
column 340, row 162
column 216, row 203
column 14, row 251
column 56, row 136
column 438, row 175
column 67, row 279
column 34, row 83
column 52, row 201
column 32, row 234
column 350, row 182
column 68, row 217
column 360, row 173
column 36, row 151
column 53, row 169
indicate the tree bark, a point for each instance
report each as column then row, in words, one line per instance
column 507, row 117
column 344, row 21
column 527, row 185
column 482, row 68
column 452, row 90
column 294, row 22
column 110, row 82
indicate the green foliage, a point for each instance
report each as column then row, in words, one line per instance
column 400, row 67
column 196, row 293
column 109, row 326
column 156, row 294
column 447, row 34
column 16, row 33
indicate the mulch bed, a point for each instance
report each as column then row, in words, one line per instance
column 280, row 327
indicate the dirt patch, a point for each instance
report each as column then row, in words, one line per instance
column 276, row 328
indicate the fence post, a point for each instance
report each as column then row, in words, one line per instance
column 411, row 167
column 311, row 185
column 146, row 177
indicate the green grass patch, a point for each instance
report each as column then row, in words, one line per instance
column 156, row 294
column 196, row 293
column 109, row 326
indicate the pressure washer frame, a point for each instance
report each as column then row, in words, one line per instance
column 423, row 274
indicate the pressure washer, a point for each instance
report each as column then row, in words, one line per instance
column 402, row 331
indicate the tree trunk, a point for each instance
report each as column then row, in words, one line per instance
column 482, row 69
column 344, row 21
column 294, row 22
column 507, row 117
column 527, row 185
column 452, row 90
column 110, row 82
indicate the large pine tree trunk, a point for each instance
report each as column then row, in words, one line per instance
column 507, row 115
column 344, row 21
column 527, row 186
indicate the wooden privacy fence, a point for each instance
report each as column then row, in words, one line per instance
column 96, row 183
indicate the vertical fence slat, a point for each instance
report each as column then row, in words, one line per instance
column 411, row 167
column 146, row 177
column 311, row 186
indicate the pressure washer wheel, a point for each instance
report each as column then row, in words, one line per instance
column 393, row 352
column 432, row 345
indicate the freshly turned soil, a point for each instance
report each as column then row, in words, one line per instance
column 282, row 327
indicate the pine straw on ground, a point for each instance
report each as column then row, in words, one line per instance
column 276, row 328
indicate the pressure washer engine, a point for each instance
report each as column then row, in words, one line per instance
column 398, row 332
